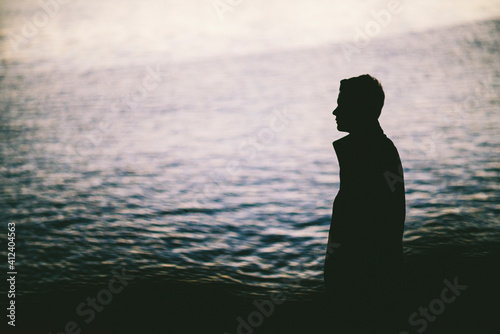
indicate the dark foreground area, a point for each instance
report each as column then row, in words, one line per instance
column 161, row 306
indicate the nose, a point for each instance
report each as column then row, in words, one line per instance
column 335, row 111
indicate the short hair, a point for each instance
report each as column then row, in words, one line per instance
column 366, row 92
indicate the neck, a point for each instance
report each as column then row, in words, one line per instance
column 368, row 128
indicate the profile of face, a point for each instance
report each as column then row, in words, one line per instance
column 359, row 104
column 346, row 113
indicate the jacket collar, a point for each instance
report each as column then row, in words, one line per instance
column 344, row 144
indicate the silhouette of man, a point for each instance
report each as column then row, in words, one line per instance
column 365, row 241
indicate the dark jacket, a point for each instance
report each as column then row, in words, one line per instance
column 369, row 210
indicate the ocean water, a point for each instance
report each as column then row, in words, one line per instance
column 221, row 168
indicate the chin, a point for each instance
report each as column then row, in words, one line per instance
column 341, row 128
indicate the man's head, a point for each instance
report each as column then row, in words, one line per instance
column 359, row 103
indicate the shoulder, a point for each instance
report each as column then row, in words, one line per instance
column 390, row 147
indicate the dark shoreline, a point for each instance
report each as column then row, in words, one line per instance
column 152, row 305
